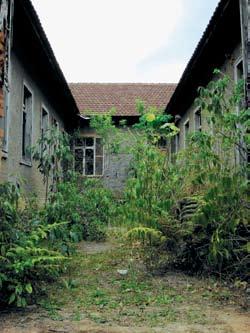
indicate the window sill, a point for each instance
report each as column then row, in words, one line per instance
column 26, row 163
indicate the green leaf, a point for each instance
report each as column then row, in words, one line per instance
column 12, row 298
column 28, row 288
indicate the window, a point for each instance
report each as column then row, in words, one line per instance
column 4, row 121
column 44, row 125
column 175, row 143
column 89, row 156
column 55, row 123
column 26, row 124
column 239, row 76
column 44, row 122
column 197, row 121
column 238, row 70
column 186, row 132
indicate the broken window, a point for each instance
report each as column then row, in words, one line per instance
column 89, row 156
column 26, row 124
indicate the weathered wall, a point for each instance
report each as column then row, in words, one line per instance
column 13, row 168
column 2, row 56
column 229, row 69
column 116, row 165
column 5, row 29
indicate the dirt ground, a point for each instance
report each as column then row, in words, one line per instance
column 102, row 301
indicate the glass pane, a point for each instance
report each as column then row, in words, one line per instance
column 198, row 121
column 45, row 120
column 79, row 142
column 89, row 142
column 98, row 166
column 78, row 160
column 89, row 162
column 99, row 147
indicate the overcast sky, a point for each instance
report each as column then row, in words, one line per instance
column 124, row 40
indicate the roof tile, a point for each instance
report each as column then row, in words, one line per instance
column 101, row 97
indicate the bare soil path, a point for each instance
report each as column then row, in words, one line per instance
column 108, row 290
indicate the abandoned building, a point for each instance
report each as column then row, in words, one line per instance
column 224, row 46
column 100, row 98
column 34, row 94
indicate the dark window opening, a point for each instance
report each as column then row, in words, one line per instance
column 186, row 132
column 26, row 124
column 197, row 120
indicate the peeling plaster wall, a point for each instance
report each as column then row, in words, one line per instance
column 12, row 169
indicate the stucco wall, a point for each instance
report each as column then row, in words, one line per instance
column 12, row 167
column 229, row 69
column 116, row 165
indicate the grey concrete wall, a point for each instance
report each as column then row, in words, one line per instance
column 116, row 165
column 13, row 168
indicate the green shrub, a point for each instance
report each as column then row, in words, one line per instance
column 85, row 205
column 25, row 260
column 214, row 235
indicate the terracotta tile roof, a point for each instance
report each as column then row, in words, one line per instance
column 101, row 97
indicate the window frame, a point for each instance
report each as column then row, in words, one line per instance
column 44, row 108
column 236, row 64
column 27, row 161
column 186, row 132
column 175, row 143
column 6, row 91
column 196, row 112
column 83, row 148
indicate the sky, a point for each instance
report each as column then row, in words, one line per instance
column 124, row 40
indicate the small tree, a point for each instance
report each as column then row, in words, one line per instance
column 53, row 153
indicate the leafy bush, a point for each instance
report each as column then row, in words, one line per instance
column 212, row 236
column 85, row 205
column 25, row 260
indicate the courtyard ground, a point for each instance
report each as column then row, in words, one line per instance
column 108, row 290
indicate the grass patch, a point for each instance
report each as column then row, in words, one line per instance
column 92, row 288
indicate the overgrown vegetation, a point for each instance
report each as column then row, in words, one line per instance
column 188, row 211
column 210, row 234
column 95, row 290
column 37, row 241
column 25, row 260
